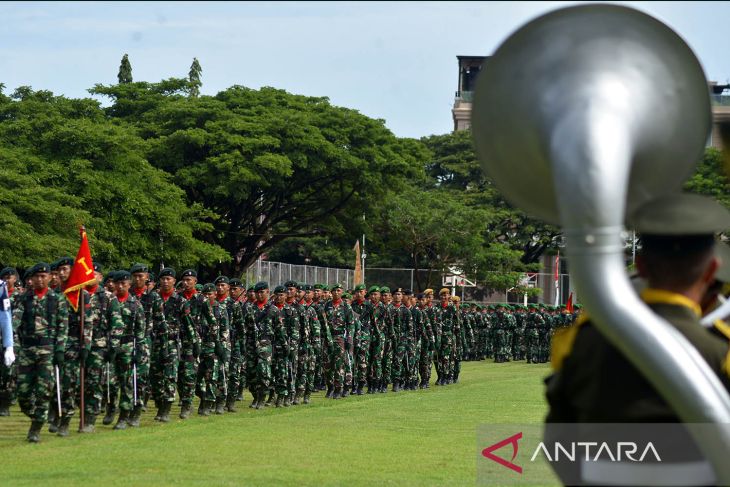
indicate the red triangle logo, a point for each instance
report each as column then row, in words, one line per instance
column 512, row 440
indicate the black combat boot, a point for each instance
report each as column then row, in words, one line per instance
column 279, row 401
column 134, row 416
column 338, row 393
column 185, row 411
column 383, row 386
column 110, row 413
column 89, row 422
column 165, row 412
column 306, row 398
column 63, row 426
column 396, row 386
column 330, row 391
column 220, row 406
column 231, row 405
column 122, row 421
column 297, row 399
column 359, row 391
column 371, row 387
column 4, row 407
column 260, row 398
column 53, row 420
column 160, row 406
column 345, row 391
column 34, row 433
column 270, row 399
column 287, row 401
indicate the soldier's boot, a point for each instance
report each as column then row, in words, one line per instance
column 330, row 391
column 122, row 420
column 89, row 424
column 396, row 386
column 53, row 421
column 63, row 426
column 254, row 400
column 34, row 433
column 220, row 406
column 383, row 386
column 239, row 397
column 297, row 398
column 279, row 401
column 353, row 390
column 337, row 394
column 185, row 411
column 371, row 389
column 270, row 399
column 260, row 398
column 306, row 398
column 231, row 405
column 287, row 401
column 160, row 409
column 165, row 412
column 358, row 391
column 345, row 392
column 145, row 401
column 4, row 407
column 203, row 408
column 133, row 419
column 110, row 413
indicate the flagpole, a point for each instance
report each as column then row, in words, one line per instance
column 82, row 341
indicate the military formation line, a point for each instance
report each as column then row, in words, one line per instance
column 165, row 338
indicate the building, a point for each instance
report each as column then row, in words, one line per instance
column 470, row 67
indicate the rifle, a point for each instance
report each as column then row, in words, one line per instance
column 58, row 391
column 134, row 370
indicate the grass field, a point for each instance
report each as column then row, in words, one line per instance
column 406, row 438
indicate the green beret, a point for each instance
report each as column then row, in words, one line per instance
column 188, row 273
column 279, row 289
column 252, row 287
column 167, row 272
column 221, row 279
column 336, row 286
column 290, row 283
column 360, row 287
column 98, row 268
column 317, row 286
column 64, row 261
column 374, row 289
column 260, row 286
column 385, row 289
column 122, row 276
column 578, row 306
column 235, row 282
column 138, row 268
column 199, row 287
column 347, row 295
column 8, row 271
column 306, row 287
column 38, row 268
column 325, row 287
column 209, row 287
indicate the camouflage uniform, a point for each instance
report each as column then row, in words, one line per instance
column 313, row 345
column 376, row 318
column 436, row 326
column 342, row 322
column 427, row 344
column 448, row 319
column 405, row 353
column 363, row 334
column 286, row 354
column 71, row 369
column 130, row 354
column 190, row 349
column 213, row 337
column 388, row 344
column 269, row 327
column 41, row 324
column 303, row 386
column 237, row 367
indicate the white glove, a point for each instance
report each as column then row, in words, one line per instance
column 9, row 357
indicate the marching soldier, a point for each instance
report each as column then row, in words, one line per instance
column 342, row 323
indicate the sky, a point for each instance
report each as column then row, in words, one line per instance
column 390, row 60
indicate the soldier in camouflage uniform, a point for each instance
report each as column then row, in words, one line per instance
column 405, row 353
column 40, row 318
column 376, row 320
column 190, row 347
column 448, row 317
column 105, row 326
column 544, row 330
column 290, row 358
column 389, row 346
column 9, row 375
column 213, row 339
column 249, row 310
column 533, row 322
column 436, row 325
column 321, row 379
column 460, row 342
column 362, row 338
column 237, row 377
column 269, row 327
column 309, row 347
column 226, row 394
column 130, row 353
column 342, row 323
column 427, row 341
column 76, row 353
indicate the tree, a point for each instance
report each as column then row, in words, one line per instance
column 125, row 71
column 710, row 178
column 194, row 78
column 62, row 163
column 270, row 165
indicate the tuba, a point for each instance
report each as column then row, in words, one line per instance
column 581, row 116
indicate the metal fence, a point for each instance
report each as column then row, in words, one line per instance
column 277, row 273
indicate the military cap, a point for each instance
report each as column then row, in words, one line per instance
column 53, row 265
column 167, row 272
column 235, row 282
column 681, row 214
column 221, row 279
column 106, row 278
column 188, row 273
column 209, row 287
column 373, row 289
column 336, row 286
column 279, row 289
column 325, row 287
column 721, row 250
column 444, row 290
column 307, row 287
column 420, row 296
column 121, row 276
column 317, row 286
column 300, row 286
column 98, row 268
column 260, row 286
column 199, row 287
column 290, row 283
column 151, row 277
column 428, row 291
column 579, row 306
column 39, row 267
column 138, row 268
column 252, row 287
column 407, row 292
column 8, row 271
column 347, row 295
column 360, row 287
column 385, row 290
column 398, row 290
column 64, row 261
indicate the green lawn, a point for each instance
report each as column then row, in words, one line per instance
column 406, row 438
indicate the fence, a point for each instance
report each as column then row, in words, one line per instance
column 277, row 273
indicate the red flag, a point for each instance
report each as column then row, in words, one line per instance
column 82, row 273
column 569, row 304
